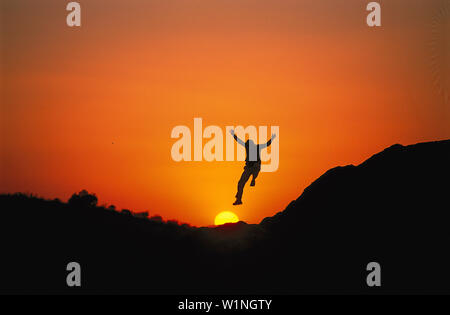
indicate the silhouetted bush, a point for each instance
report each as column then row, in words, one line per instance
column 157, row 218
column 83, row 199
column 142, row 215
column 126, row 212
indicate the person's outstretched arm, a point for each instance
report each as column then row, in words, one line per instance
column 265, row 145
column 236, row 138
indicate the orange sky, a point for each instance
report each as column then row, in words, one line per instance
column 339, row 90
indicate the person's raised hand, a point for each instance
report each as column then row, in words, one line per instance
column 232, row 132
column 273, row 136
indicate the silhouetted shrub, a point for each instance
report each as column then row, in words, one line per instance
column 126, row 212
column 142, row 215
column 83, row 199
column 157, row 218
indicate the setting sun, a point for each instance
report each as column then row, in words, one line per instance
column 226, row 217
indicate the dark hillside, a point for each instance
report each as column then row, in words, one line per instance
column 392, row 209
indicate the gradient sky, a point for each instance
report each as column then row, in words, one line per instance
column 339, row 90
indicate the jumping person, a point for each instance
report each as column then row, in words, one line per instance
column 252, row 163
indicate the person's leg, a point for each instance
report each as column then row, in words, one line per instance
column 242, row 181
column 255, row 173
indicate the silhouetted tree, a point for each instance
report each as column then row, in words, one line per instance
column 83, row 199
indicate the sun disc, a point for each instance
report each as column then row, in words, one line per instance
column 226, row 217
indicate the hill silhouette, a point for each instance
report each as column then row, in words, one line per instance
column 392, row 209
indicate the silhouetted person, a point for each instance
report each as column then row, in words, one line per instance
column 252, row 163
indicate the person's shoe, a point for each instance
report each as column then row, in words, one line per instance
column 252, row 183
column 237, row 202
